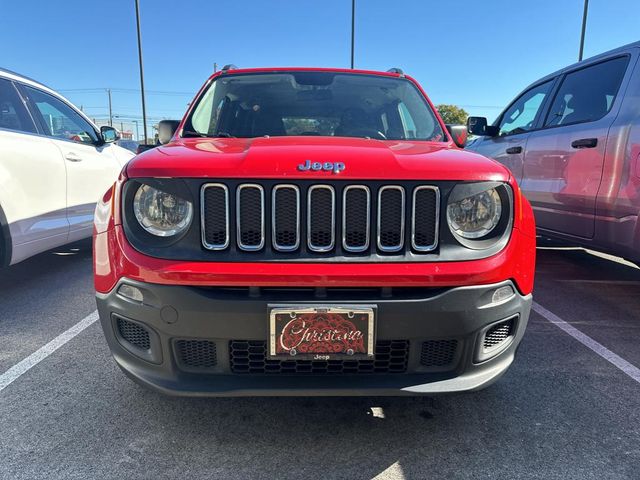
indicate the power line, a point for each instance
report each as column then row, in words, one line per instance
column 127, row 90
column 480, row 106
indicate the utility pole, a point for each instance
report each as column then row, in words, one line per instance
column 110, row 111
column 584, row 28
column 144, row 109
column 215, row 67
column 353, row 29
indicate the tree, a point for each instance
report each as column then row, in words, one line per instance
column 452, row 114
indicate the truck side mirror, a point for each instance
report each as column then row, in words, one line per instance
column 458, row 133
column 479, row 126
column 166, row 130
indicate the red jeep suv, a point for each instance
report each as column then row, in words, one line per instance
column 313, row 232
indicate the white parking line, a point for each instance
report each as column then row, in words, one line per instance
column 604, row 352
column 8, row 377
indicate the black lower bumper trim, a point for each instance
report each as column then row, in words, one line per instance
column 213, row 341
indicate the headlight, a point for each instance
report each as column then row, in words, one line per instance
column 475, row 216
column 160, row 213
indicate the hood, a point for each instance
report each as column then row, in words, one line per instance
column 122, row 155
column 280, row 157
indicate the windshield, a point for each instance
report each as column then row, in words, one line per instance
column 315, row 104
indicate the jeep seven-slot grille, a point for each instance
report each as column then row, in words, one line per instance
column 348, row 219
column 250, row 356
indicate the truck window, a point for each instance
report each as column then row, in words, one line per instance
column 587, row 94
column 521, row 115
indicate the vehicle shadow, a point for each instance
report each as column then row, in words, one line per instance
column 58, row 265
column 561, row 262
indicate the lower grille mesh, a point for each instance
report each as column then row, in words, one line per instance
column 196, row 354
column 133, row 333
column 250, row 356
column 498, row 334
column 438, row 353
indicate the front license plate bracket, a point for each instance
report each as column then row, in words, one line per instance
column 321, row 332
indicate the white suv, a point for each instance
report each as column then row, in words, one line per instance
column 54, row 166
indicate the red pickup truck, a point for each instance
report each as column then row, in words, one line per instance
column 313, row 232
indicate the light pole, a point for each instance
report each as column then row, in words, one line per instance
column 137, row 131
column 110, row 110
column 584, row 28
column 144, row 109
column 353, row 29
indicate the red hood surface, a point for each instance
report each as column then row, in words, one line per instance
column 279, row 157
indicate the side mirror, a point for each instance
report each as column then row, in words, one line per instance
column 109, row 134
column 166, row 130
column 479, row 126
column 459, row 134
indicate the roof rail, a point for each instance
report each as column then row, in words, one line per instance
column 396, row 70
column 231, row 66
column 11, row 72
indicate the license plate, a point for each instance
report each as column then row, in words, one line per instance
column 321, row 332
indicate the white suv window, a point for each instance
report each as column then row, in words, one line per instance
column 13, row 114
column 60, row 120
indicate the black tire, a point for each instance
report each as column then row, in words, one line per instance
column 5, row 241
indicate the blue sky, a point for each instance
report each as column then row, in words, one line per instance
column 476, row 54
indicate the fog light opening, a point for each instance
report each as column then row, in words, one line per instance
column 502, row 294
column 131, row 292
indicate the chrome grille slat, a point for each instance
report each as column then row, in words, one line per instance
column 425, row 218
column 285, row 221
column 356, row 218
column 321, row 223
column 214, row 205
column 250, row 216
column 391, row 213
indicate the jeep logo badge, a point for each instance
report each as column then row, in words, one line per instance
column 335, row 167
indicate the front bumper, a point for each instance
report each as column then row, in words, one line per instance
column 422, row 319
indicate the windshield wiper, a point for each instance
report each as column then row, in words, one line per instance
column 193, row 133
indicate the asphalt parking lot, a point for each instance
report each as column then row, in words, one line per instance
column 561, row 411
